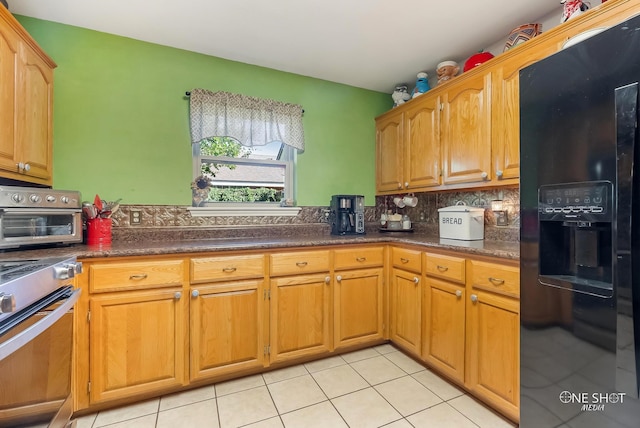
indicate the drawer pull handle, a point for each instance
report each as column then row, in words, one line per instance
column 178, row 295
column 442, row 268
column 458, row 293
column 496, row 281
column 416, row 280
column 403, row 260
column 138, row 276
column 229, row 269
column 361, row 259
column 301, row 264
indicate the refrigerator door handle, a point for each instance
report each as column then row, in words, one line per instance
column 627, row 295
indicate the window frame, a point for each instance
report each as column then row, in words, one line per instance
column 286, row 207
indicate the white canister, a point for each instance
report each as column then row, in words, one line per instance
column 461, row 222
column 406, row 222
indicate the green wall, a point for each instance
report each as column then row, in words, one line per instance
column 121, row 118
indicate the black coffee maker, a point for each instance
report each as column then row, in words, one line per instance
column 346, row 214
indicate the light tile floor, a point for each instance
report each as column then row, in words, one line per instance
column 374, row 387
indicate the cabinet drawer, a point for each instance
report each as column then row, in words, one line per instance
column 355, row 258
column 205, row 269
column 407, row 259
column 294, row 263
column 445, row 267
column 135, row 275
column 495, row 278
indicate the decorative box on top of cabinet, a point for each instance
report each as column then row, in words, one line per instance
column 26, row 100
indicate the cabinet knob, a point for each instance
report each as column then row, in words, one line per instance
column 484, row 175
column 474, row 298
column 195, row 293
column 458, row 293
column 327, row 279
column 499, row 173
column 399, row 185
column 20, row 166
column 339, row 278
column 27, row 167
column 178, row 295
column 406, row 184
column 416, row 280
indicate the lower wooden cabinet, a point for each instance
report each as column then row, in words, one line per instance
column 405, row 310
column 137, row 343
column 150, row 325
column 358, row 315
column 227, row 328
column 299, row 316
column 444, row 327
column 493, row 335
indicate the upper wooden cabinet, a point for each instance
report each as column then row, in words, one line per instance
column 466, row 133
column 466, row 130
column 389, row 153
column 422, row 163
column 26, row 100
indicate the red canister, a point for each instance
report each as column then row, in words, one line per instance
column 99, row 231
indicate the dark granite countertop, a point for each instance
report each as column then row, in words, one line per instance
column 501, row 249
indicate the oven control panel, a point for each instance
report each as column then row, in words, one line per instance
column 33, row 197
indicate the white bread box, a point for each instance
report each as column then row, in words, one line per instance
column 461, row 222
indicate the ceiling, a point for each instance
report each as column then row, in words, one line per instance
column 372, row 44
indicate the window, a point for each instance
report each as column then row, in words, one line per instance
column 244, row 150
column 235, row 173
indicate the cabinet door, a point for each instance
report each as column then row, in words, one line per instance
column 357, row 307
column 35, row 116
column 422, row 144
column 8, row 86
column 444, row 327
column 389, row 153
column 137, row 343
column 493, row 350
column 466, row 131
column 405, row 310
column 227, row 333
column 505, row 99
column 300, row 316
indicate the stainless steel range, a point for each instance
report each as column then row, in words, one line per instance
column 36, row 333
column 36, row 216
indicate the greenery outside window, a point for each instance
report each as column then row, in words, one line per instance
column 234, row 173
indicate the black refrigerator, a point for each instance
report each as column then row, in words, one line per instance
column 580, row 234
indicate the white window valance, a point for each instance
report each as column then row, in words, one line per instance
column 252, row 121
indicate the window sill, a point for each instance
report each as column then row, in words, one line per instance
column 236, row 210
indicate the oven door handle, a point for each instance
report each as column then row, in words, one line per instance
column 32, row 211
column 12, row 345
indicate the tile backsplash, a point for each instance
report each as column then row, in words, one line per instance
column 159, row 218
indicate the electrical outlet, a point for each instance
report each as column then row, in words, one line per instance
column 135, row 217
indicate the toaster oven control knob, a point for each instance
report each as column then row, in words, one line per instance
column 17, row 198
column 51, row 198
column 7, row 303
column 64, row 199
column 35, row 198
